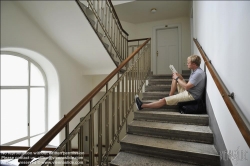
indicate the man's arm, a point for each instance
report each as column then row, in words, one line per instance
column 182, row 82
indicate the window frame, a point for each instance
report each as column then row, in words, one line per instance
column 29, row 60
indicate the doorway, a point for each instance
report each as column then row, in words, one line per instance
column 167, row 50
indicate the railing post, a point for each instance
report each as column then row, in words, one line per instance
column 123, row 98
column 118, row 107
column 100, row 134
column 80, row 145
column 113, row 113
column 107, row 123
column 91, row 137
column 126, row 99
column 68, row 146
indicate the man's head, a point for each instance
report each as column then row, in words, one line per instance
column 193, row 61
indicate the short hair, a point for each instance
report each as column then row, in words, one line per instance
column 195, row 59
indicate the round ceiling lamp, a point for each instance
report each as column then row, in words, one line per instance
column 153, row 10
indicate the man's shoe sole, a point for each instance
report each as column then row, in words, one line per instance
column 136, row 102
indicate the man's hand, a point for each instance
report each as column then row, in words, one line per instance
column 182, row 82
column 175, row 75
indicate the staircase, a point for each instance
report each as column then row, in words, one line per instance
column 103, row 27
column 164, row 136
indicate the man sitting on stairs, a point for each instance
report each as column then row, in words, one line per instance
column 186, row 91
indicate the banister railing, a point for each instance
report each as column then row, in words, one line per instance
column 119, row 99
column 117, row 18
column 106, row 18
column 235, row 111
column 133, row 44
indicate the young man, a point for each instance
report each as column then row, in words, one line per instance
column 186, row 91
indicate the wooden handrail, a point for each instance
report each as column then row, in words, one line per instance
column 68, row 117
column 117, row 17
column 231, row 105
column 132, row 40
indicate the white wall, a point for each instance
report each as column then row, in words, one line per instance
column 130, row 28
column 144, row 30
column 19, row 31
column 222, row 29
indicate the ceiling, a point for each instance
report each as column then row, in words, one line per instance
column 139, row 11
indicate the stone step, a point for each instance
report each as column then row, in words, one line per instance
column 130, row 159
column 161, row 81
column 189, row 152
column 192, row 133
column 157, row 88
column 155, row 95
column 164, row 107
column 172, row 117
column 166, row 76
column 186, row 71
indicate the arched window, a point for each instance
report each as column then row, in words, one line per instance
column 23, row 101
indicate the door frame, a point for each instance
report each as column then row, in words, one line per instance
column 153, row 46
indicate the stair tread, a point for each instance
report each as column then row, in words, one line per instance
column 129, row 159
column 171, row 126
column 161, row 79
column 157, row 92
column 175, row 145
column 160, row 85
column 170, row 113
column 169, row 75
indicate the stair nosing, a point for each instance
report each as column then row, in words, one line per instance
column 136, row 155
column 169, row 148
column 168, row 113
column 175, row 124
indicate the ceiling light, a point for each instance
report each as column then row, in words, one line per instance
column 153, row 10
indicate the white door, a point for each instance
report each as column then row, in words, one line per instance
column 167, row 50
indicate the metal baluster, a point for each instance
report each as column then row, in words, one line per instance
column 142, row 64
column 113, row 113
column 112, row 20
column 91, row 137
column 67, row 149
column 126, row 98
column 100, row 134
column 80, row 144
column 97, row 13
column 138, row 77
column 118, row 106
column 133, row 79
column 127, row 47
column 123, row 48
column 123, row 57
column 117, row 40
column 115, row 35
column 107, row 123
column 135, row 75
column 108, row 20
column 102, row 13
column 121, row 45
column 124, row 45
column 130, row 88
column 123, row 98
column 105, row 15
column 141, row 74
